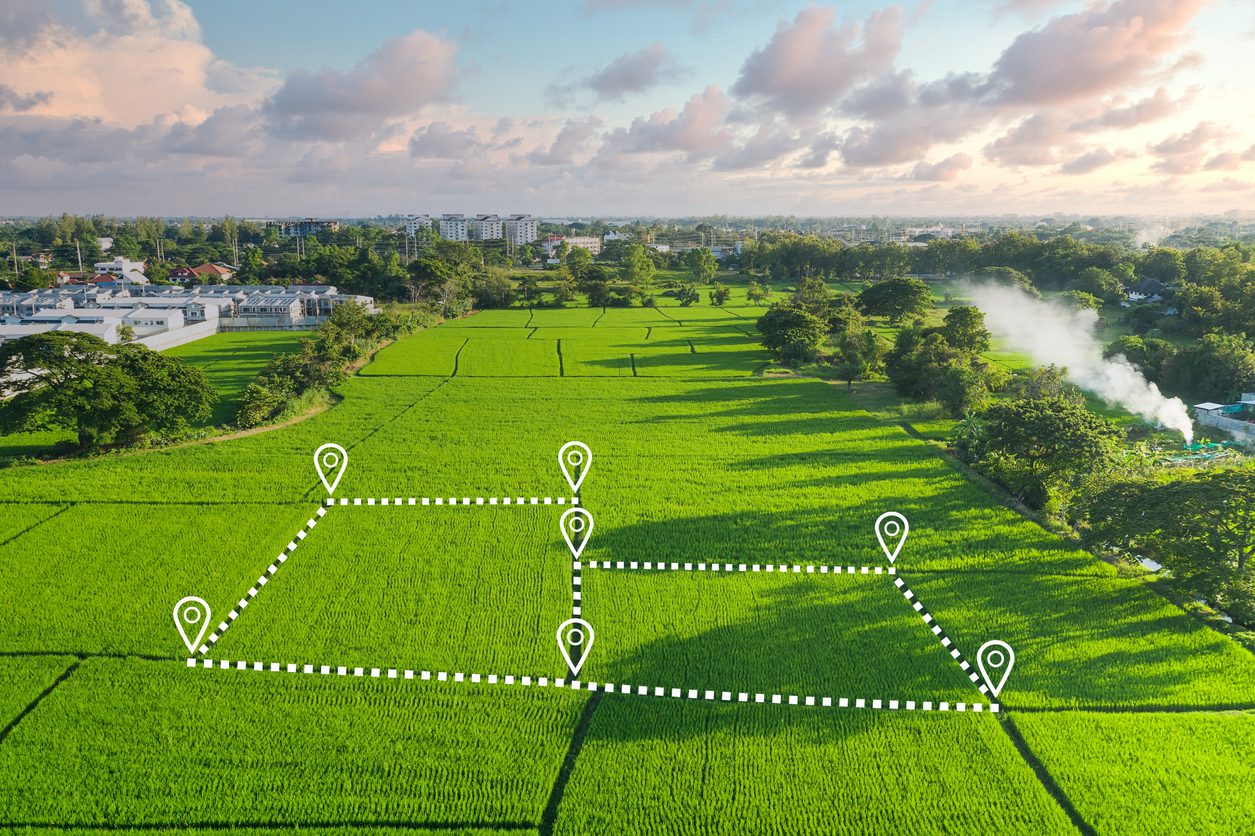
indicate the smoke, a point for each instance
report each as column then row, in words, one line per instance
column 1051, row 333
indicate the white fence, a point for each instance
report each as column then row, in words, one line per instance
column 1241, row 430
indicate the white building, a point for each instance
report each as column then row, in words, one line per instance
column 416, row 224
column 520, row 229
column 585, row 242
column 119, row 266
column 454, row 228
column 485, row 228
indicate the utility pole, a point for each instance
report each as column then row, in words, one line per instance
column 16, row 276
column 78, row 248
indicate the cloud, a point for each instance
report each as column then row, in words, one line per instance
column 440, row 141
column 1150, row 109
column 398, row 79
column 943, row 171
column 572, row 139
column 697, row 130
column 1034, row 141
column 10, row 99
column 768, row 144
column 1092, row 161
column 634, row 72
column 808, row 64
column 1101, row 48
column 228, row 132
column 1184, row 153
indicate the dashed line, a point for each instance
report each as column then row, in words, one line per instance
column 453, row 500
column 708, row 695
column 946, row 642
column 576, row 590
column 741, row 567
column 262, row 580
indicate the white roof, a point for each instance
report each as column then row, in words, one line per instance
column 1209, row 405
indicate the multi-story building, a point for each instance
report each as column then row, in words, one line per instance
column 417, row 225
column 304, row 227
column 119, row 266
column 520, row 229
column 585, row 242
column 454, row 228
column 485, row 228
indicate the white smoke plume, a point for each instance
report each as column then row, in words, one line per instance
column 1049, row 332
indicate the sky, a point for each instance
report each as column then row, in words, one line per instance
column 663, row 108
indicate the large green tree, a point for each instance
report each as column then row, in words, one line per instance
column 106, row 395
column 897, row 299
column 1042, row 448
column 792, row 333
column 1200, row 527
column 702, row 264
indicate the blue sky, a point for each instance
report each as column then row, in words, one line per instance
column 660, row 107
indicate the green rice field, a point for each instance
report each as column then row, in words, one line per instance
column 1122, row 714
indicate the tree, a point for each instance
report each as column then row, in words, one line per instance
column 1041, row 448
column 531, row 291
column 1151, row 356
column 702, row 264
column 687, row 294
column 492, row 290
column 1045, row 382
column 565, row 289
column 105, row 394
column 756, row 293
column 1006, row 277
column 1100, row 283
column 579, row 261
column 813, row 296
column 1163, row 264
column 1080, row 300
column 963, row 389
column 35, row 278
column 858, row 356
column 793, row 334
column 1201, row 527
column 126, row 333
column 638, row 267
column 719, row 294
column 965, row 330
column 897, row 299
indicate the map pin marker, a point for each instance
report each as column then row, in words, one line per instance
column 995, row 657
column 577, row 525
column 891, row 527
column 575, row 640
column 574, row 459
column 191, row 613
column 330, row 461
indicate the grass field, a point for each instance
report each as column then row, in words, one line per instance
column 1138, row 718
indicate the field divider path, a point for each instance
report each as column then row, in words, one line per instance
column 946, row 641
column 394, row 501
column 66, row 674
column 794, row 568
column 263, row 579
column 621, row 689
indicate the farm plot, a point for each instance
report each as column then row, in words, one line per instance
column 784, row 632
column 512, row 357
column 670, row 766
column 1149, row 772
column 128, row 742
column 232, row 360
column 433, row 352
column 468, row 589
column 1091, row 642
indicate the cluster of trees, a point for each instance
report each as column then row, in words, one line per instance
column 944, row 363
column 814, row 324
column 1217, row 366
column 108, row 395
column 348, row 335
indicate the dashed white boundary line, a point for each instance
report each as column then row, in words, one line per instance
column 453, row 500
column 577, row 590
column 262, row 580
column 741, row 567
column 937, row 631
column 604, row 687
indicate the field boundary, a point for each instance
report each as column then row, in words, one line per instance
column 616, row 688
column 1044, row 777
column 66, row 674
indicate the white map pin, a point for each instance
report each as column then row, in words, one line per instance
column 191, row 613
column 575, row 640
column 576, row 525
column 574, row 459
column 892, row 527
column 995, row 657
column 330, row 460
